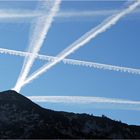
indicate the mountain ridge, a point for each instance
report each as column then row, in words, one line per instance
column 22, row 118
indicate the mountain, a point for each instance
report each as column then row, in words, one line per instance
column 21, row 118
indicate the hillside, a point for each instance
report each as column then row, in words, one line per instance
column 21, row 118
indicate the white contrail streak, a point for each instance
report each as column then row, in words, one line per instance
column 14, row 14
column 21, row 13
column 83, row 40
column 110, row 103
column 90, row 13
column 41, row 29
column 86, row 100
column 81, row 99
column 74, row 62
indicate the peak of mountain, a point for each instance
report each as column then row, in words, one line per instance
column 10, row 95
column 21, row 118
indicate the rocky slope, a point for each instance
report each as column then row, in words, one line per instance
column 21, row 118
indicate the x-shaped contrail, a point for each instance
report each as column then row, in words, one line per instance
column 42, row 25
column 83, row 40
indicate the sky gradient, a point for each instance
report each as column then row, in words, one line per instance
column 117, row 46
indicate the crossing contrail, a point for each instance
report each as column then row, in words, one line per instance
column 41, row 29
column 18, row 13
column 128, row 104
column 74, row 62
column 83, row 40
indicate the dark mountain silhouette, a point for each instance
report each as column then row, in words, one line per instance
column 21, row 118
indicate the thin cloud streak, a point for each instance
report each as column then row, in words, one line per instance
column 41, row 29
column 74, row 13
column 12, row 14
column 74, row 62
column 99, row 102
column 83, row 40
column 90, row 13
column 18, row 14
column 80, row 100
column 87, row 100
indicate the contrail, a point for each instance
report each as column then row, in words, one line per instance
column 41, row 29
column 14, row 14
column 74, row 62
column 83, row 40
column 18, row 13
column 85, row 100
column 81, row 99
column 90, row 13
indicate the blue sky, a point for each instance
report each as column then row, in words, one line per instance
column 117, row 46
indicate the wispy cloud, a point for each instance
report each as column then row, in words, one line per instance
column 76, row 13
column 74, row 62
column 10, row 13
column 83, row 40
column 80, row 100
column 90, row 13
column 122, row 104
column 18, row 14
